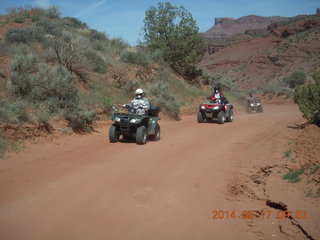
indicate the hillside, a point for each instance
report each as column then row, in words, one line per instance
column 263, row 58
column 57, row 76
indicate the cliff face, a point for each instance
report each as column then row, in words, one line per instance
column 255, row 60
column 226, row 27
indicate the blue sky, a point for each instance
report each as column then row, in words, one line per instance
column 124, row 18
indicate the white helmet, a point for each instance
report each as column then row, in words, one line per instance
column 139, row 93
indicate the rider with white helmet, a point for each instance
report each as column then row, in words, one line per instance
column 140, row 103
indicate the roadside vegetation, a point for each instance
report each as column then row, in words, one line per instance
column 308, row 99
column 57, row 68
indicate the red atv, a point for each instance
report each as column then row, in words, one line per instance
column 215, row 110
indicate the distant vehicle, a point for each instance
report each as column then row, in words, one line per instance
column 215, row 110
column 131, row 124
column 254, row 104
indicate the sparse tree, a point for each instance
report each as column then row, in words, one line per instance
column 173, row 31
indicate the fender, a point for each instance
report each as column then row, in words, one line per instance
column 152, row 125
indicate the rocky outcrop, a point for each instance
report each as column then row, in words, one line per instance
column 226, row 27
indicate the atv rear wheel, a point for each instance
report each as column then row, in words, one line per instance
column 114, row 134
column 221, row 117
column 230, row 118
column 200, row 117
column 156, row 136
column 141, row 135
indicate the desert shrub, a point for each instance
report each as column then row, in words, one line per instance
column 75, row 22
column 97, row 64
column 136, row 58
column 107, row 104
column 293, row 177
column 115, row 46
column 42, row 83
column 17, row 35
column 25, row 35
column 56, row 87
column 42, row 113
column 51, row 26
column 22, row 76
column 295, row 79
column 164, row 98
column 96, row 35
column 52, row 12
column 127, row 85
column 308, row 99
column 288, row 92
column 18, row 19
column 15, row 112
column 68, row 51
column 216, row 79
column 81, row 120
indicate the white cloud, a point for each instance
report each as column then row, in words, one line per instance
column 42, row 3
column 90, row 8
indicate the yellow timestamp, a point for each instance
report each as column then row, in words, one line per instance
column 259, row 214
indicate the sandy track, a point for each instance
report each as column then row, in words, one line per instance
column 83, row 187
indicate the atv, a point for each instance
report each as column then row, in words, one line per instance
column 254, row 105
column 133, row 124
column 215, row 110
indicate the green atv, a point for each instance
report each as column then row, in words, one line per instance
column 140, row 127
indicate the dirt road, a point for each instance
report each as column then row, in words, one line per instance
column 83, row 187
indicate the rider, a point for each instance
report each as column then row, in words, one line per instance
column 140, row 103
column 218, row 94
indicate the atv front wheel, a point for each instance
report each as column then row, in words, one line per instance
column 141, row 135
column 260, row 109
column 221, row 117
column 156, row 136
column 230, row 117
column 114, row 134
column 200, row 117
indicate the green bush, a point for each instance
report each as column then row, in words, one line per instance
column 295, row 79
column 42, row 113
column 75, row 22
column 308, row 99
column 126, row 85
column 25, row 35
column 52, row 12
column 162, row 97
column 216, row 79
column 55, row 86
column 293, row 177
column 22, row 73
column 81, row 120
column 136, row 58
column 96, row 35
column 95, row 61
column 17, row 35
column 15, row 112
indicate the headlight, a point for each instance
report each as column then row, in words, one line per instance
column 133, row 120
column 203, row 107
column 258, row 104
column 117, row 119
column 216, row 107
column 251, row 105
